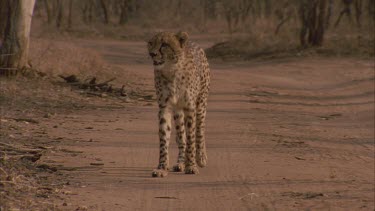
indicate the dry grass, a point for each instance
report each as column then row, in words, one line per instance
column 24, row 186
column 21, row 183
column 62, row 57
column 18, row 185
column 25, row 104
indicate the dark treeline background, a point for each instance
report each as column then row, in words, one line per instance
column 280, row 23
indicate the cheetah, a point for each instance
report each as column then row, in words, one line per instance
column 182, row 80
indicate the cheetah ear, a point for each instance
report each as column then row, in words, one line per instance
column 182, row 37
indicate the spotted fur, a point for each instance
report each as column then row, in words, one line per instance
column 182, row 79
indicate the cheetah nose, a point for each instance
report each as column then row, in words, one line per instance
column 153, row 54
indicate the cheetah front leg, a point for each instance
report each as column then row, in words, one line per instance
column 190, row 163
column 181, row 140
column 164, row 136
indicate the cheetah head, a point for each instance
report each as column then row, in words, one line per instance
column 167, row 48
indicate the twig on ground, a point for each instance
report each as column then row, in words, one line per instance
column 103, row 87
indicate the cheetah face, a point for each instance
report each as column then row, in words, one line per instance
column 166, row 48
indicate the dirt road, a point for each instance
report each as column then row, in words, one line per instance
column 281, row 135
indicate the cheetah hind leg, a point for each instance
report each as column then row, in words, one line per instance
column 201, row 155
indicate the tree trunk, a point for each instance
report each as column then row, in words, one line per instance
column 104, row 6
column 358, row 12
column 124, row 6
column 246, row 7
column 60, row 13
column 70, row 14
column 329, row 14
column 91, row 11
column 228, row 18
column 319, row 27
column 15, row 38
column 346, row 10
column 312, row 14
column 371, row 9
column 4, row 13
column 267, row 8
column 48, row 11
column 203, row 6
column 178, row 11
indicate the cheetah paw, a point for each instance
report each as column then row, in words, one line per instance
column 191, row 170
column 201, row 159
column 159, row 173
column 179, row 167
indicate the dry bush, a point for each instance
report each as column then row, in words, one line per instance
column 55, row 58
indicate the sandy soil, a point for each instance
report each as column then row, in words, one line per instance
column 293, row 134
